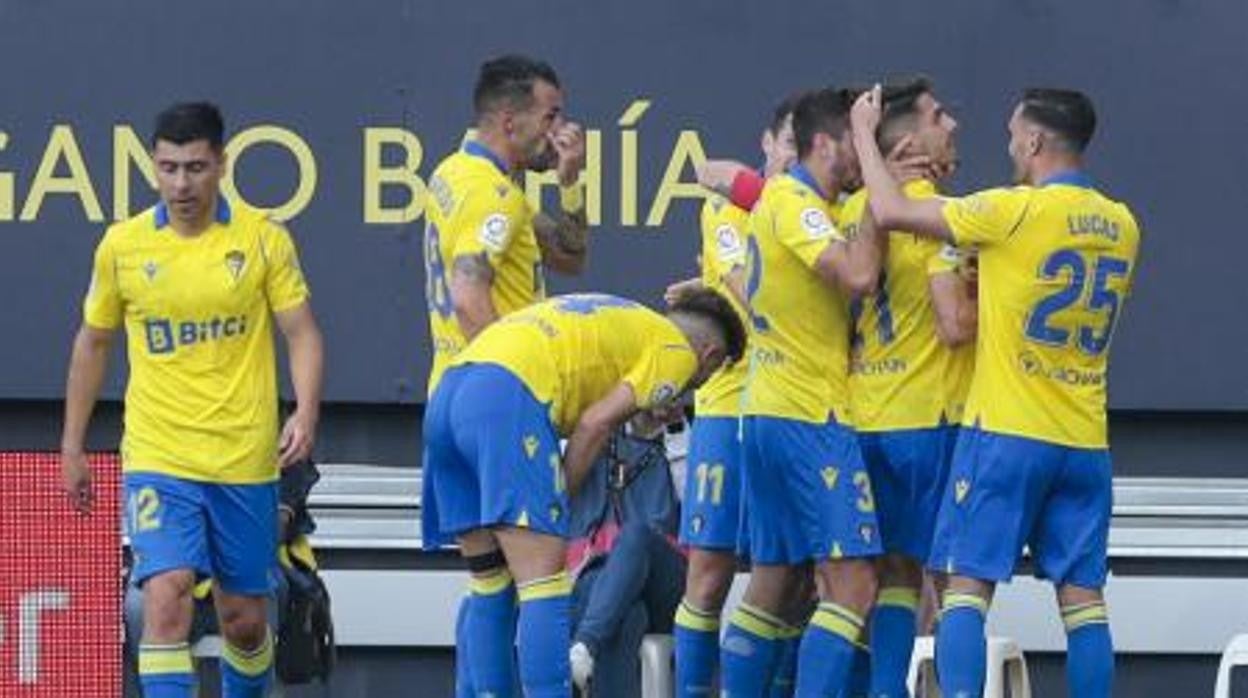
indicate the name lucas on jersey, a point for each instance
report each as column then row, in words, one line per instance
column 1092, row 224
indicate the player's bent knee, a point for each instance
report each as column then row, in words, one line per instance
column 851, row 583
column 1071, row 595
column 531, row 555
column 899, row 570
column 477, row 542
column 244, row 621
column 167, row 606
column 710, row 576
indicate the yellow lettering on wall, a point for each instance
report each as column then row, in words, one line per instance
column 128, row 150
column 62, row 146
column 378, row 176
column 688, row 149
column 293, row 143
column 6, row 185
column 590, row 177
column 628, row 160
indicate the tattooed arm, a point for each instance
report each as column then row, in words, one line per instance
column 472, row 277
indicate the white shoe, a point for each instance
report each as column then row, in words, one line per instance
column 582, row 665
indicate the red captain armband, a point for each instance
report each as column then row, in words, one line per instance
column 747, row 186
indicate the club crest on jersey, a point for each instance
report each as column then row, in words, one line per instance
column 697, row 523
column 816, row 222
column 530, row 446
column 960, row 489
column 830, row 476
column 501, row 190
column 150, row 269
column 235, row 260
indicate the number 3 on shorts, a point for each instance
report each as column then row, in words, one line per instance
column 866, row 502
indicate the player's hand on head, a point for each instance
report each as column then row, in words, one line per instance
column 865, row 115
column 569, row 143
column 298, row 436
column 76, row 476
column 904, row 164
column 675, row 292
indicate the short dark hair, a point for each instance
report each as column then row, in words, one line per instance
column 824, row 110
column 1067, row 113
column 901, row 105
column 508, row 80
column 190, row 121
column 782, row 112
column 714, row 308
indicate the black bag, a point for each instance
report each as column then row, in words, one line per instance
column 305, row 646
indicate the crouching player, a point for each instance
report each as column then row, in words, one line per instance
column 577, row 367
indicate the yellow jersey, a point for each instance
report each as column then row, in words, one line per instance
column 476, row 209
column 201, row 402
column 724, row 229
column 799, row 327
column 1055, row 267
column 571, row 351
column 901, row 376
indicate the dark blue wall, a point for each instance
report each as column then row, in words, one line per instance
column 1166, row 74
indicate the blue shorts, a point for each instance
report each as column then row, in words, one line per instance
column 807, row 492
column 227, row 532
column 711, row 508
column 491, row 458
column 1005, row 492
column 909, row 469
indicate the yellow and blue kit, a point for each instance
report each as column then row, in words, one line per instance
column 808, row 493
column 907, row 387
column 711, row 508
column 493, row 425
column 1032, row 463
column 200, row 446
column 476, row 209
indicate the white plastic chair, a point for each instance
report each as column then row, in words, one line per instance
column 1006, row 665
column 656, row 666
column 1235, row 654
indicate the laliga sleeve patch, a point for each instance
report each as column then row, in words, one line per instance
column 816, row 223
column 728, row 242
column 662, row 393
column 494, row 230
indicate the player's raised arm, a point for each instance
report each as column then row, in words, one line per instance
column 564, row 236
column 854, row 265
column 892, row 209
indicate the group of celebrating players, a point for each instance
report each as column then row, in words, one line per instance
column 888, row 380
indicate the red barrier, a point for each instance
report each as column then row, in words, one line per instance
column 60, row 581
